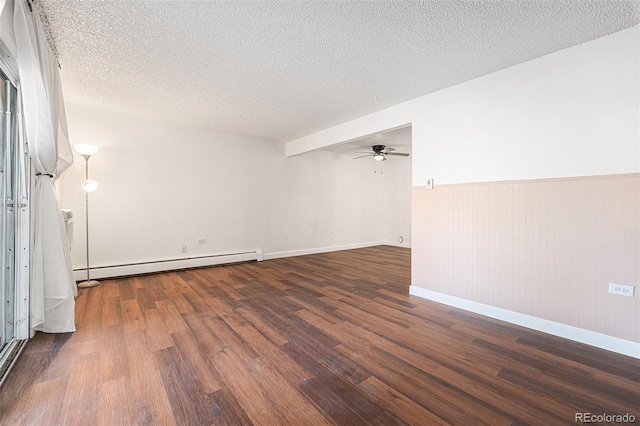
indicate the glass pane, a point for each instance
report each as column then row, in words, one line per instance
column 7, row 215
column 3, row 337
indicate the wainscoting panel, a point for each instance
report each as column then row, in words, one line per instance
column 546, row 248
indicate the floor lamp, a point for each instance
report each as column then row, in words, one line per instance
column 89, row 186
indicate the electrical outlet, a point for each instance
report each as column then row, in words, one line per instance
column 201, row 240
column 429, row 184
column 621, row 289
column 183, row 248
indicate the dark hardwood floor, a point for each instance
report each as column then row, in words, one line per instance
column 323, row 339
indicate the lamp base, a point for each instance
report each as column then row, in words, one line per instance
column 88, row 284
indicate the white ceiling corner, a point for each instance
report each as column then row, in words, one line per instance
column 280, row 70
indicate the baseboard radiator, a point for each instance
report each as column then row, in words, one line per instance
column 167, row 265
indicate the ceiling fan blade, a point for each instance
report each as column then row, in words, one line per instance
column 363, row 152
column 399, row 154
column 362, row 156
column 389, row 149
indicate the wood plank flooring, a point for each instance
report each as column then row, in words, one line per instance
column 314, row 340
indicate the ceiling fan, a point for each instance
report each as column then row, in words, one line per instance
column 380, row 152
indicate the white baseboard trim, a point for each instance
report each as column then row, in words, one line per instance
column 165, row 265
column 212, row 260
column 396, row 244
column 317, row 250
column 602, row 341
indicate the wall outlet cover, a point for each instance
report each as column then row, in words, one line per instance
column 621, row 289
column 429, row 183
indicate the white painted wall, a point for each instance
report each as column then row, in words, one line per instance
column 571, row 113
column 397, row 202
column 162, row 185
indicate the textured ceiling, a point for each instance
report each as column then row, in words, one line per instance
column 281, row 70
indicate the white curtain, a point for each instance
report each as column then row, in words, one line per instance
column 52, row 289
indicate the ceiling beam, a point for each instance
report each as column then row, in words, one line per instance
column 388, row 119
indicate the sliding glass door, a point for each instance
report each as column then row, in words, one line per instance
column 13, row 228
column 7, row 215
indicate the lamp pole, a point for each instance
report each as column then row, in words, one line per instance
column 89, row 186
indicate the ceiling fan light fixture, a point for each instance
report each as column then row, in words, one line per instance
column 378, row 156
